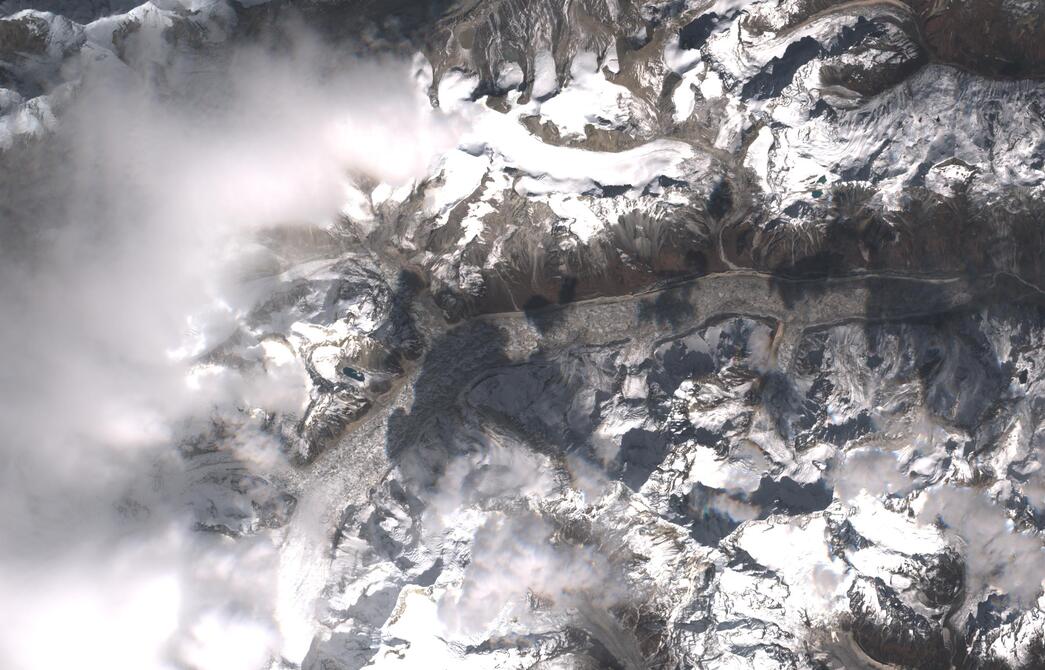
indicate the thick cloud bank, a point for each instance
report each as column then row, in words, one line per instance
column 128, row 246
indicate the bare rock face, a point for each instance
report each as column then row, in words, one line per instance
column 1009, row 44
column 890, row 632
column 714, row 339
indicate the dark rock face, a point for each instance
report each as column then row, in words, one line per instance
column 1009, row 43
column 890, row 632
column 942, row 578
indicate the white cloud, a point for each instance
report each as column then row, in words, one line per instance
column 122, row 262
